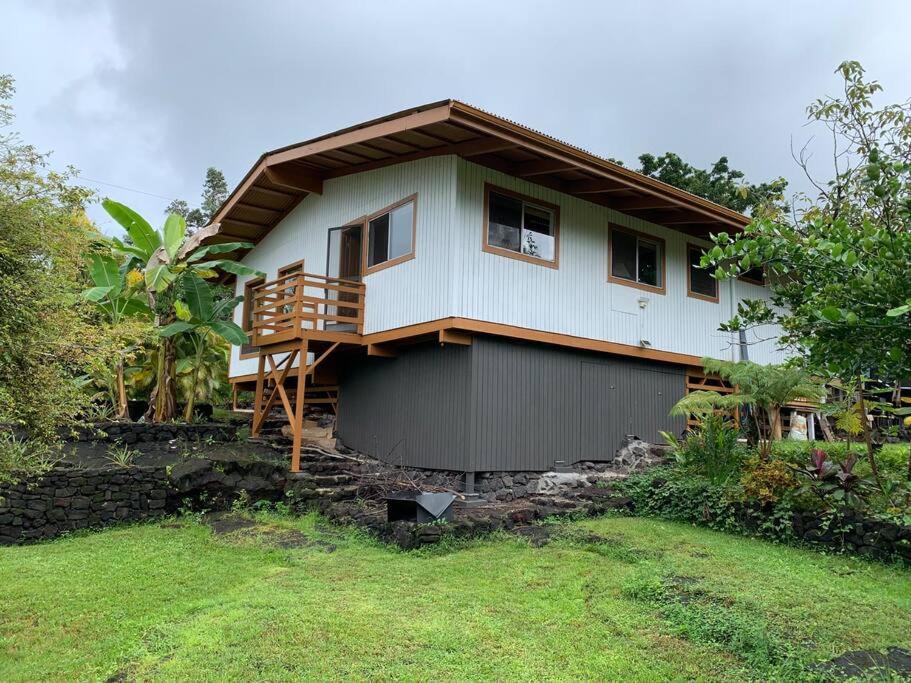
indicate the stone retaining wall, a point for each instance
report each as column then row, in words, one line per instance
column 852, row 532
column 69, row 498
column 147, row 432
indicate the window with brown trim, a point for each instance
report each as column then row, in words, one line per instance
column 248, row 350
column 636, row 259
column 390, row 235
column 699, row 281
column 521, row 227
column 755, row 276
column 290, row 269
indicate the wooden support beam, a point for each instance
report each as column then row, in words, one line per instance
column 594, row 187
column 277, row 391
column 541, row 167
column 243, row 224
column 381, row 351
column 258, row 398
column 455, row 337
column 469, row 148
column 272, row 192
column 641, row 203
column 297, row 418
column 294, row 178
column 473, row 148
column 259, row 209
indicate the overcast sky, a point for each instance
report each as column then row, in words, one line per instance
column 146, row 95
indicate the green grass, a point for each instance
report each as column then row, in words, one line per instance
column 647, row 600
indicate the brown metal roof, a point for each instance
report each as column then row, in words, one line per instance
column 280, row 179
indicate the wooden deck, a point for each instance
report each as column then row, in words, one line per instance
column 293, row 316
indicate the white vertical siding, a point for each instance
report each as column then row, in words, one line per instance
column 577, row 299
column 411, row 292
column 451, row 275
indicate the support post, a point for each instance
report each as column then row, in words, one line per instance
column 297, row 425
column 258, row 398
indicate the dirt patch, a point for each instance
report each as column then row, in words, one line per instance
column 616, row 548
column 90, row 454
column 242, row 528
column 868, row 664
column 537, row 535
column 227, row 523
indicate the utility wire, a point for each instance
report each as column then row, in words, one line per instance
column 123, row 187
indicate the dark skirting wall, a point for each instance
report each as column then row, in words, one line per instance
column 410, row 410
column 503, row 405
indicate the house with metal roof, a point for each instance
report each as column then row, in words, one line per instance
column 472, row 295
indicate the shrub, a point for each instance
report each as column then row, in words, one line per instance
column 766, row 481
column 121, row 455
column 676, row 494
column 711, row 449
column 20, row 458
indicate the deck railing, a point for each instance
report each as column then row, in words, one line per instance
column 292, row 305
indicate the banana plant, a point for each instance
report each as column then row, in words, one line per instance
column 117, row 295
column 200, row 317
column 166, row 259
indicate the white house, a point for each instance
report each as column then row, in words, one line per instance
column 479, row 296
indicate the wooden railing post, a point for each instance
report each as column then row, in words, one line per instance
column 299, row 303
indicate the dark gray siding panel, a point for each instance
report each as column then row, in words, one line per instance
column 502, row 405
column 409, row 410
column 534, row 405
column 623, row 397
column 524, row 406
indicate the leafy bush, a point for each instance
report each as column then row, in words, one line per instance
column 21, row 458
column 680, row 495
column 892, row 457
column 767, row 481
column 834, row 484
column 711, row 449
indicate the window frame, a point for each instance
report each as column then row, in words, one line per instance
column 365, row 236
column 662, row 245
column 690, row 247
column 554, row 209
column 246, row 323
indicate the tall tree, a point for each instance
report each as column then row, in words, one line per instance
column 214, row 193
column 838, row 263
column 45, row 335
column 720, row 183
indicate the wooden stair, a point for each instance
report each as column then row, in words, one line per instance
column 279, row 383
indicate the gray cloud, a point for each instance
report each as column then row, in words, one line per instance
column 146, row 95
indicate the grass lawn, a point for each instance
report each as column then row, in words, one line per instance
column 645, row 600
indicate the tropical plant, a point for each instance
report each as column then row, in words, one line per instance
column 765, row 388
column 117, row 295
column 122, row 455
column 838, row 263
column 766, row 480
column 833, row 482
column 202, row 319
column 21, row 457
column 174, row 267
column 710, row 448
